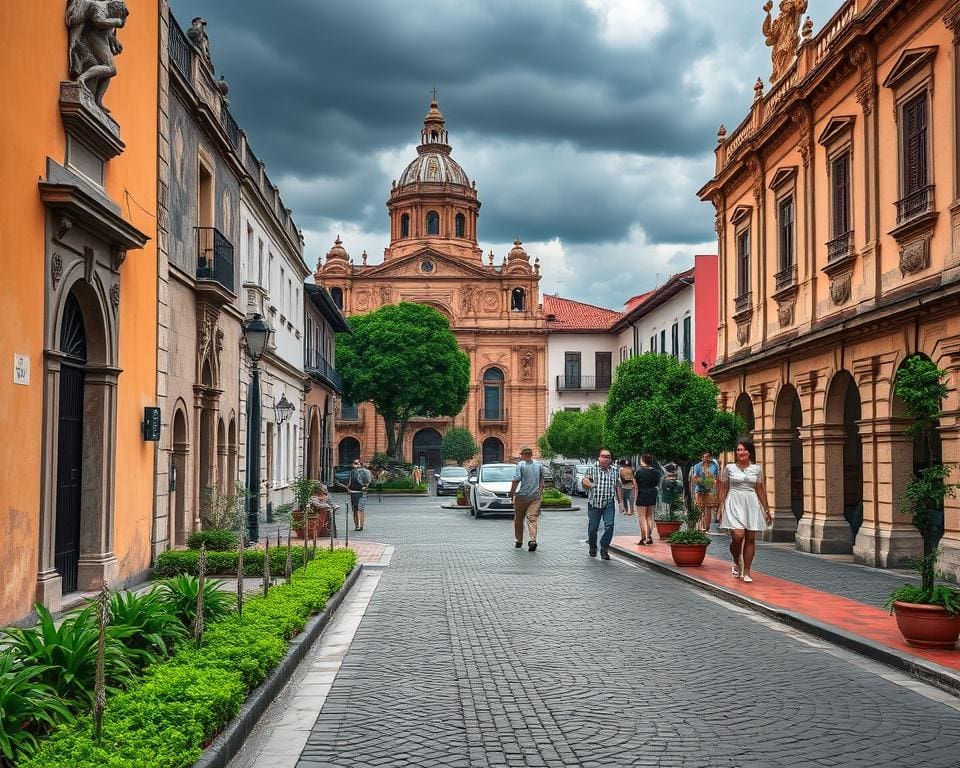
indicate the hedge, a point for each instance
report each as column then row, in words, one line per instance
column 175, row 561
column 181, row 704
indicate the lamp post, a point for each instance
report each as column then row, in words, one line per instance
column 283, row 409
column 255, row 333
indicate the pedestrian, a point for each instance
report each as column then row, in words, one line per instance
column 743, row 508
column 602, row 486
column 647, row 480
column 526, row 490
column 357, row 485
column 417, row 475
column 703, row 481
column 627, row 487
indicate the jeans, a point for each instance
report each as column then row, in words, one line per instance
column 594, row 514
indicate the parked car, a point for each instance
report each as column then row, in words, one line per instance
column 341, row 475
column 581, row 473
column 450, row 479
column 564, row 474
column 490, row 490
column 547, row 472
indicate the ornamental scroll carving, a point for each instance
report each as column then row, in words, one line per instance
column 466, row 299
column 866, row 90
column 782, row 34
column 490, row 301
column 800, row 119
column 386, row 294
column 528, row 364
column 914, row 257
column 361, row 301
column 785, row 313
column 840, row 288
column 743, row 333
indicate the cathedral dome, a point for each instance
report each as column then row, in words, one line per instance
column 433, row 164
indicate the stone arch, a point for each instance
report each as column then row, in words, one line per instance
column 348, row 450
column 313, row 445
column 433, row 223
column 405, row 225
column 493, row 394
column 785, row 473
column 179, row 473
column 222, row 455
column 492, row 450
column 460, row 225
column 518, row 300
column 744, row 409
column 843, row 464
column 232, row 454
column 426, row 448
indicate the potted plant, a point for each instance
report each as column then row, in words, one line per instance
column 316, row 522
column 462, row 497
column 928, row 614
column 689, row 546
column 670, row 515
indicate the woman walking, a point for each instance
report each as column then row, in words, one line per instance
column 703, row 477
column 627, row 487
column 743, row 508
column 646, row 480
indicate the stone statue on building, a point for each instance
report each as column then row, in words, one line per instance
column 783, row 34
column 197, row 34
column 92, row 43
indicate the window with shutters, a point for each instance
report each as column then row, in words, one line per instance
column 675, row 340
column 743, row 262
column 785, row 228
column 917, row 193
column 840, row 194
column 687, row 338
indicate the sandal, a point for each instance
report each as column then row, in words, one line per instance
column 747, row 580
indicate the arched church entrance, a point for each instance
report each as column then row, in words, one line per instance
column 492, row 451
column 426, row 448
column 349, row 450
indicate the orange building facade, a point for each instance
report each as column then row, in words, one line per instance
column 838, row 216
column 433, row 258
column 78, row 161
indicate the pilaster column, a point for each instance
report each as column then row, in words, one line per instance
column 778, row 479
column 826, row 531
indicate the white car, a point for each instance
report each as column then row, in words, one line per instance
column 490, row 489
column 450, row 479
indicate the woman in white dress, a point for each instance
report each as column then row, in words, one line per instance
column 743, row 508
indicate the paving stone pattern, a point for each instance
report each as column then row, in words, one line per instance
column 473, row 653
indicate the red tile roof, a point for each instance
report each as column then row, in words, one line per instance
column 636, row 301
column 569, row 315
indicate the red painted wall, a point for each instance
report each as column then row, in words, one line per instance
column 706, row 293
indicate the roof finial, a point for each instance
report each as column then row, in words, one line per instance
column 434, row 93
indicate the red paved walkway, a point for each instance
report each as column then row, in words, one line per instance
column 855, row 618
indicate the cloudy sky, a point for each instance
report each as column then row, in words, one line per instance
column 588, row 125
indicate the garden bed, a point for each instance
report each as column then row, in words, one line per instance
column 174, row 561
column 165, row 718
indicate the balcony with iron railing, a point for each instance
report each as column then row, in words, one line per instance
column 915, row 204
column 230, row 127
column 583, row 383
column 179, row 49
column 214, row 258
column 493, row 415
column 786, row 278
column 743, row 303
column 840, row 247
column 318, row 368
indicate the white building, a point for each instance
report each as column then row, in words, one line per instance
column 273, row 273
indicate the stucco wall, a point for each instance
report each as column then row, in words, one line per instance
column 587, row 344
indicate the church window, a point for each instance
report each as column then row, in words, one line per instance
column 337, row 295
column 517, row 300
column 405, row 225
column 493, row 394
column 461, row 225
column 433, row 223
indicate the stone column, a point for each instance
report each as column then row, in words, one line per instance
column 887, row 539
column 49, row 583
column 826, row 531
column 778, row 477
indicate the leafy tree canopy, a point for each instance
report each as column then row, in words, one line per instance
column 458, row 445
column 405, row 360
column 658, row 405
column 576, row 433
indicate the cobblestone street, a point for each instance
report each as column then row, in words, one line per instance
column 474, row 653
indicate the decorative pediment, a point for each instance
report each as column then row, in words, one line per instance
column 909, row 63
column 783, row 176
column 836, row 127
column 740, row 213
column 440, row 265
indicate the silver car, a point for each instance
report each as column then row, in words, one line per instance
column 490, row 489
column 450, row 479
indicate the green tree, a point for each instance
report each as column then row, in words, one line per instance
column 405, row 360
column 577, row 433
column 658, row 405
column 547, row 451
column 458, row 445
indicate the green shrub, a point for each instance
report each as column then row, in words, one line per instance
column 182, row 703
column 553, row 498
column 175, row 561
column 28, row 708
column 180, row 593
column 146, row 624
column 68, row 655
column 217, row 540
column 403, row 484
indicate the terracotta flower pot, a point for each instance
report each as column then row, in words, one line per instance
column 665, row 528
column 319, row 524
column 463, row 501
column 688, row 555
column 927, row 626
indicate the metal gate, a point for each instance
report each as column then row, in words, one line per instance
column 69, row 462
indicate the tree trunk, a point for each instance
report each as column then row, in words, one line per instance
column 391, row 437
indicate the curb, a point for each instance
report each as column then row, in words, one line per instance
column 509, row 511
column 229, row 741
column 927, row 671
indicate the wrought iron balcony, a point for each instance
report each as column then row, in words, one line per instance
column 786, row 278
column 231, row 127
column 581, row 383
column 351, row 413
column 494, row 415
column 743, row 302
column 179, row 49
column 840, row 247
column 318, row 368
column 214, row 257
column 915, row 204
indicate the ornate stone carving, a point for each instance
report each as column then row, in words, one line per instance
column 527, row 364
column 743, row 333
column 197, row 34
column 56, row 269
column 92, row 43
column 913, row 256
column 951, row 20
column 115, row 296
column 785, row 313
column 866, row 89
column 491, row 301
column 840, row 288
column 800, row 119
column 718, row 225
column 64, row 225
column 386, row 294
column 466, row 299
column 756, row 172
column 782, row 34
column 361, row 301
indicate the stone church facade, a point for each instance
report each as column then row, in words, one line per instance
column 434, row 258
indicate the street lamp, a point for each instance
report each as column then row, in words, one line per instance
column 256, row 333
column 283, row 409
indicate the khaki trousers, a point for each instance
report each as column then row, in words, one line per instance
column 529, row 508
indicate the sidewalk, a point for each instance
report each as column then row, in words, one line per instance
column 838, row 601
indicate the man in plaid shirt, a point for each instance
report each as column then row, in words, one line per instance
column 602, row 486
